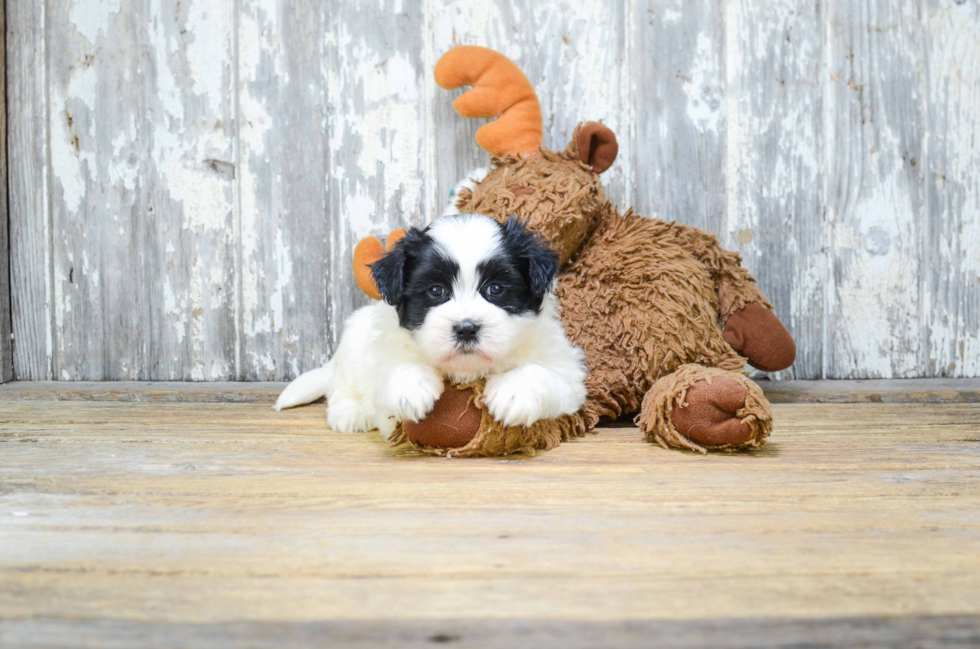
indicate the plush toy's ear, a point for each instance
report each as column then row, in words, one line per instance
column 596, row 145
column 541, row 262
column 368, row 251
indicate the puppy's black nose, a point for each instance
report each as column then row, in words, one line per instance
column 466, row 331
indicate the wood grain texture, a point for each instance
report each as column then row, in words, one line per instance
column 773, row 132
column 27, row 183
column 183, row 517
column 285, row 226
column 881, row 632
column 186, row 152
column 950, row 248
column 827, row 391
column 678, row 54
column 93, row 193
column 137, row 255
column 6, row 341
column 874, row 391
column 195, row 219
column 379, row 140
column 875, row 125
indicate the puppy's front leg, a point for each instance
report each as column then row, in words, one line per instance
column 531, row 392
column 410, row 391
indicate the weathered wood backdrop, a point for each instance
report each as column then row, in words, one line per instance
column 187, row 177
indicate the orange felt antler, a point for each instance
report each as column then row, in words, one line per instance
column 367, row 251
column 499, row 90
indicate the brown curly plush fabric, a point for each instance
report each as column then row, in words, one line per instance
column 556, row 194
column 494, row 439
column 640, row 306
column 642, row 297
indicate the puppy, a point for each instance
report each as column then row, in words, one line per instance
column 465, row 298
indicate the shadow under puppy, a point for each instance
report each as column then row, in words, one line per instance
column 465, row 299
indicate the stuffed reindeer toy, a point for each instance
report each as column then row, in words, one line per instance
column 666, row 317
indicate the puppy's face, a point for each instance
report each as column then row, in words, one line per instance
column 466, row 287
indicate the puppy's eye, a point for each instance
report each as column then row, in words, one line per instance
column 495, row 289
column 437, row 291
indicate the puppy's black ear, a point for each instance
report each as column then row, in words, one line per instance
column 389, row 272
column 389, row 275
column 542, row 267
column 540, row 261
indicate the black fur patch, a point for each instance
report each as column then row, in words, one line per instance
column 417, row 275
column 526, row 256
column 406, row 274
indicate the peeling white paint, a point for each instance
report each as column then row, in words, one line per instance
column 66, row 162
column 123, row 170
column 208, row 47
column 204, row 197
column 258, row 38
column 891, row 281
column 72, row 161
column 91, row 17
column 389, row 129
column 953, row 189
column 875, row 297
column 284, row 276
column 179, row 314
column 705, row 106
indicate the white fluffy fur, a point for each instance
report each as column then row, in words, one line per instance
column 469, row 181
column 377, row 378
column 383, row 374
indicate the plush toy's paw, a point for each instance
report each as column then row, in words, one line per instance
column 411, row 391
column 460, row 426
column 453, row 422
column 705, row 408
column 709, row 414
column 518, row 397
column 756, row 333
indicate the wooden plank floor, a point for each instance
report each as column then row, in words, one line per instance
column 226, row 524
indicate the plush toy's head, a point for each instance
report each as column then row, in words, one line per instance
column 558, row 194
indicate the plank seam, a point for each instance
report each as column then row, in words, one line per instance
column 782, row 392
column 48, row 206
column 6, row 301
column 237, row 189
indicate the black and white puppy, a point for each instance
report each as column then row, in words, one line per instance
column 465, row 298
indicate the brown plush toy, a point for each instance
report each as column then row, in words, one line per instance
column 665, row 316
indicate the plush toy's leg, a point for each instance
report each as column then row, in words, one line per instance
column 461, row 426
column 701, row 408
column 610, row 395
column 755, row 332
column 736, row 286
column 751, row 328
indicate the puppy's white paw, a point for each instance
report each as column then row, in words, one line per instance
column 519, row 397
column 411, row 391
column 348, row 416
